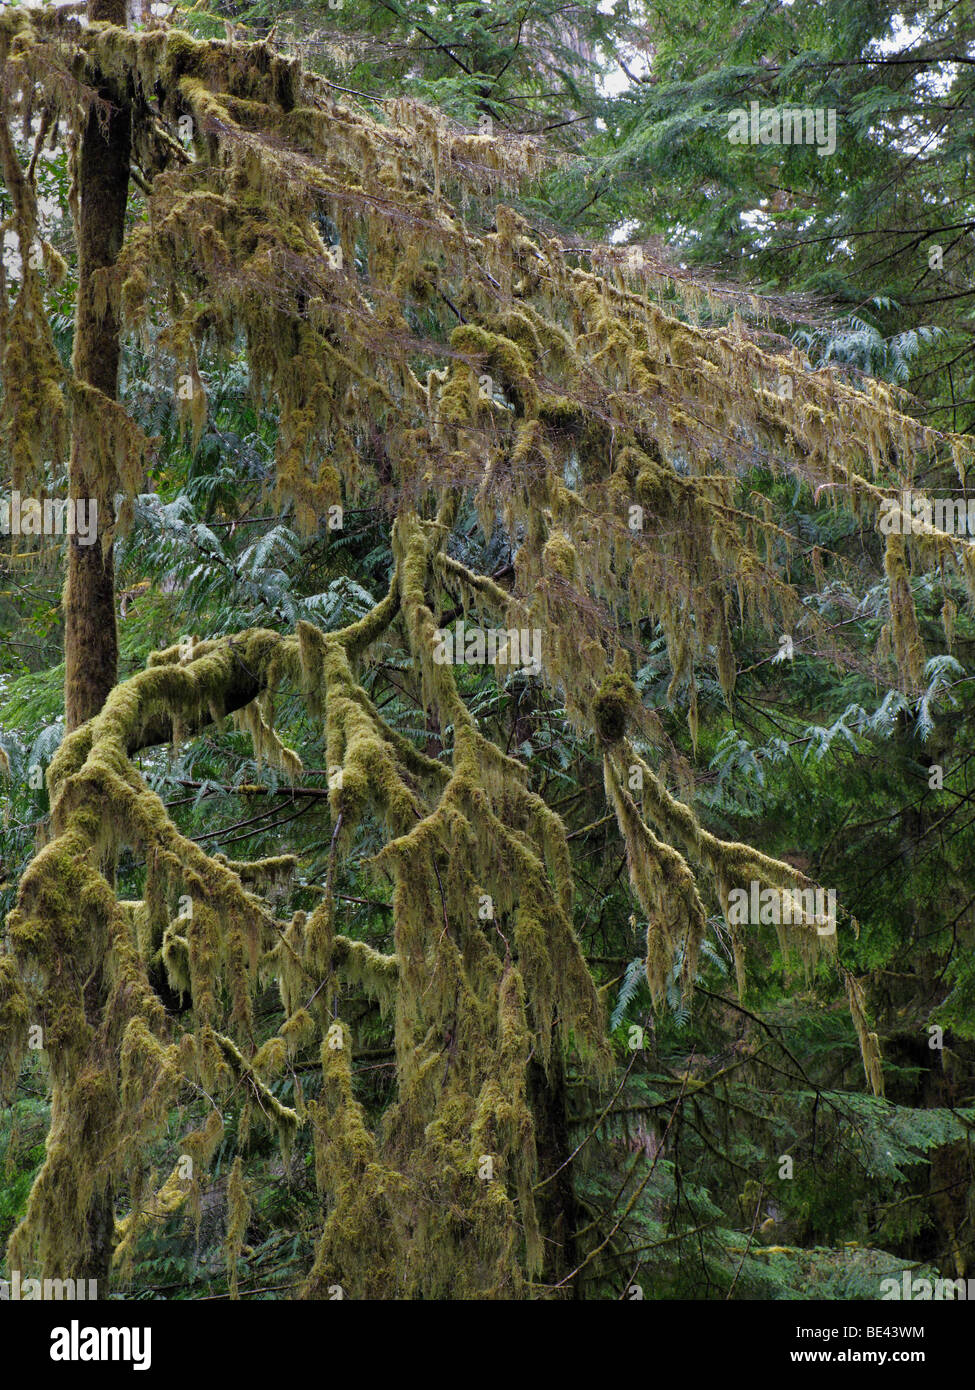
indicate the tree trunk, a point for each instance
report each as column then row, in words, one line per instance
column 557, row 1208
column 91, row 637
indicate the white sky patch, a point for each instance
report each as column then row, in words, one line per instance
column 623, row 231
column 615, row 81
column 757, row 220
column 11, row 255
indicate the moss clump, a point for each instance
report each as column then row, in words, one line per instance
column 615, row 702
column 559, row 556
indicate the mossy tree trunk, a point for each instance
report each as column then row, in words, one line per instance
column 91, row 637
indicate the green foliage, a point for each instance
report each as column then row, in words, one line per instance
column 822, row 758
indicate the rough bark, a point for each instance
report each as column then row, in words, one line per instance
column 91, row 637
column 557, row 1208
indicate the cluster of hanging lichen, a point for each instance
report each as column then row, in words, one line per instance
column 601, row 431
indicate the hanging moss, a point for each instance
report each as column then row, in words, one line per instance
column 606, row 437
